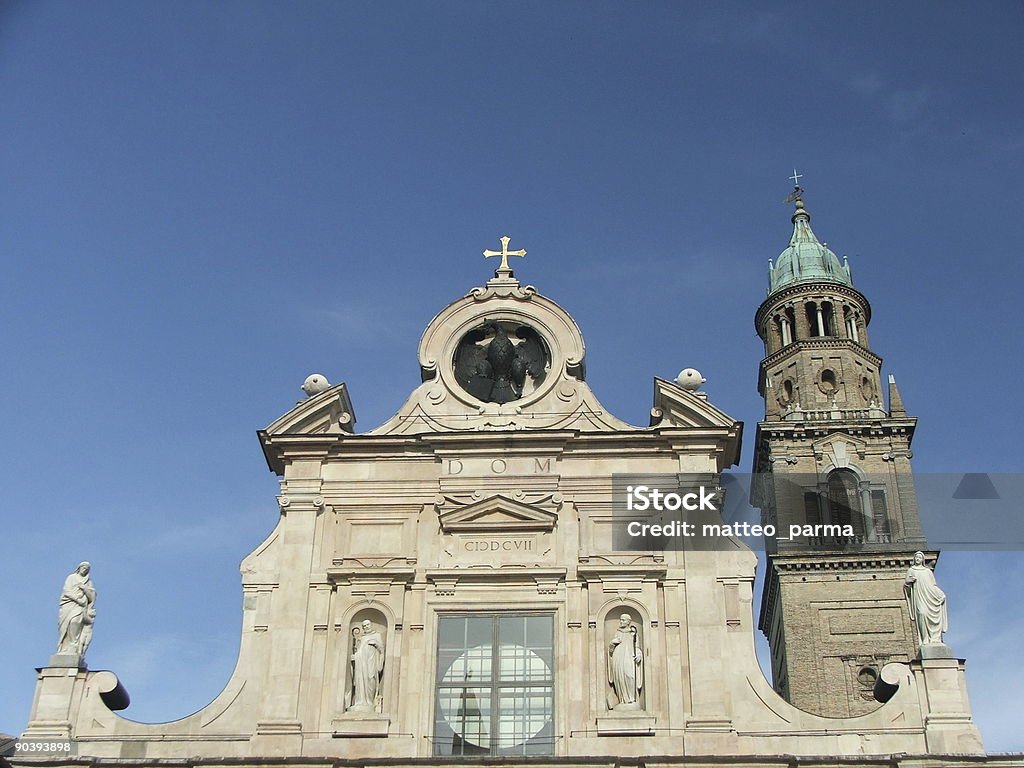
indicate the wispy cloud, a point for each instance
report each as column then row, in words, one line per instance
column 904, row 107
column 207, row 534
column 359, row 323
column 750, row 27
column 350, row 321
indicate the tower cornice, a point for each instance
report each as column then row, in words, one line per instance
column 820, row 342
column 802, row 290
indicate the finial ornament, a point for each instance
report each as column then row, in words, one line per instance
column 797, row 194
column 503, row 269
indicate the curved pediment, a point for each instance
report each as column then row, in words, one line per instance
column 570, row 404
column 503, row 357
column 496, row 514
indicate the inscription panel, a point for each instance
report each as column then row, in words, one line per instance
column 497, row 549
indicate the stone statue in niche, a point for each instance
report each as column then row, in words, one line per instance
column 367, row 666
column 927, row 602
column 76, row 614
column 500, row 362
column 626, row 665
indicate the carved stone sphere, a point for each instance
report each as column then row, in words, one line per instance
column 315, row 383
column 690, row 379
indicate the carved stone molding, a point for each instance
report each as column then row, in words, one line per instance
column 497, row 514
column 547, row 581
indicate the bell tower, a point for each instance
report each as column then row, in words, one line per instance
column 833, row 459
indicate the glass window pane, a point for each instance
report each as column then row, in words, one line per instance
column 495, row 685
column 523, row 714
column 521, row 664
column 511, row 629
column 472, row 665
column 451, row 633
column 538, row 632
column 479, row 630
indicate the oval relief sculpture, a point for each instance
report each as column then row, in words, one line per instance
column 501, row 361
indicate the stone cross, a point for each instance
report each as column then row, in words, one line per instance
column 503, row 268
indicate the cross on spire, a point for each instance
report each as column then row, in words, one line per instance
column 798, row 193
column 503, row 269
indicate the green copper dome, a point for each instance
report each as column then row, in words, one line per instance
column 806, row 259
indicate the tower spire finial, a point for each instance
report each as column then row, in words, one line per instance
column 797, row 195
column 896, row 407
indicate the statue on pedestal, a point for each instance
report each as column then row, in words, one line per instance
column 626, row 664
column 367, row 665
column 927, row 602
column 76, row 613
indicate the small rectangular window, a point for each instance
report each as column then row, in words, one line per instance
column 880, row 516
column 812, row 509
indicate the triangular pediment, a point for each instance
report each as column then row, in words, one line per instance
column 497, row 513
column 841, row 449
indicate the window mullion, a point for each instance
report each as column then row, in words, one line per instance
column 495, row 685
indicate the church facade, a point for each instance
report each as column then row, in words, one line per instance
column 450, row 586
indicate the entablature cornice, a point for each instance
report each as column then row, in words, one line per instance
column 719, row 442
column 386, row 575
column 820, row 342
column 278, row 450
column 447, row 581
column 445, row 444
column 809, row 290
column 831, row 562
column 602, row 572
column 845, row 561
column 900, row 760
column 798, row 431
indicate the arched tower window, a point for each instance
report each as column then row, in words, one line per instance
column 850, row 320
column 811, row 311
column 790, row 322
column 828, row 314
column 784, row 329
column 844, row 504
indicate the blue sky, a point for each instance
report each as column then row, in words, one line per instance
column 202, row 203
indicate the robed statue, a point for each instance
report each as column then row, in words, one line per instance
column 626, row 664
column 927, row 602
column 76, row 613
column 367, row 665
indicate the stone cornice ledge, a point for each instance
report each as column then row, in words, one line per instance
column 606, row 571
column 394, row 574
column 841, row 561
column 899, row 760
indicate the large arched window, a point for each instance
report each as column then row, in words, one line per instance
column 844, row 503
